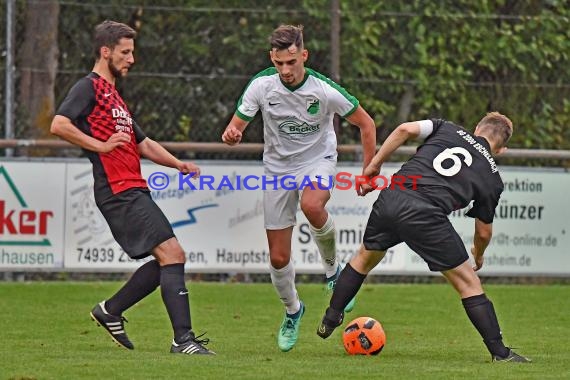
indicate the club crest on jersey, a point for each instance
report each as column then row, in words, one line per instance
column 313, row 106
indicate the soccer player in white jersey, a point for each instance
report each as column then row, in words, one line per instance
column 298, row 106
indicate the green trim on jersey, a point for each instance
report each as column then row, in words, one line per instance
column 263, row 73
column 351, row 111
column 337, row 87
column 293, row 88
column 243, row 117
column 308, row 72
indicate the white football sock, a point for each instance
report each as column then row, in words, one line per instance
column 284, row 283
column 325, row 238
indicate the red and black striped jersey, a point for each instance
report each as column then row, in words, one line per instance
column 95, row 107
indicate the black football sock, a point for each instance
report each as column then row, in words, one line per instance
column 175, row 298
column 481, row 312
column 347, row 285
column 143, row 282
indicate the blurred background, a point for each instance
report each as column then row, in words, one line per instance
column 454, row 59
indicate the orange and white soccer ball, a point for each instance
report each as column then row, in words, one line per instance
column 364, row 336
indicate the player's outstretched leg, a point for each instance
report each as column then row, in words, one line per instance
column 481, row 312
column 289, row 330
column 331, row 320
column 331, row 284
column 113, row 324
column 325, row 238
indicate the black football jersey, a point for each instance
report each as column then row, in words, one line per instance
column 95, row 107
column 454, row 168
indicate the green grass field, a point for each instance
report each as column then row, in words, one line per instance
column 46, row 333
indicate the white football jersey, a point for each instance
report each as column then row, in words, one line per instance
column 297, row 121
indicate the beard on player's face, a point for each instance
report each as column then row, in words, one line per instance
column 116, row 72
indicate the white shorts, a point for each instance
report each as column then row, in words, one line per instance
column 280, row 205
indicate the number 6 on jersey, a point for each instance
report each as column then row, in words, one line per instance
column 451, row 154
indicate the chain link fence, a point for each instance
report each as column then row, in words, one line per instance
column 194, row 58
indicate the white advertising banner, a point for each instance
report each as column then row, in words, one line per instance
column 218, row 218
column 47, row 209
column 350, row 213
column 31, row 215
column 89, row 244
column 531, row 227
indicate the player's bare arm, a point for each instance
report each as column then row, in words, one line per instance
column 362, row 120
column 481, row 239
column 233, row 132
column 63, row 127
column 397, row 138
column 155, row 152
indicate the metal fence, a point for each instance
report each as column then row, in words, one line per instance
column 193, row 62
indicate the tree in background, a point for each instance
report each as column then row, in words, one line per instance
column 37, row 62
column 459, row 58
column 404, row 60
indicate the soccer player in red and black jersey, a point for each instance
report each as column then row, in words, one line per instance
column 94, row 116
column 452, row 168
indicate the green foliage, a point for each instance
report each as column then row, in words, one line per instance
column 460, row 59
column 184, row 125
column 193, row 59
column 455, row 59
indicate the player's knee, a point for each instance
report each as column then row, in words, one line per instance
column 279, row 261
column 170, row 252
column 474, row 285
column 311, row 208
column 366, row 260
column 179, row 256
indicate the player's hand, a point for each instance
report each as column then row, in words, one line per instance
column 364, row 189
column 189, row 167
column 371, row 170
column 116, row 140
column 232, row 135
column 478, row 257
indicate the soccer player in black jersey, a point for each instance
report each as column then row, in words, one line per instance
column 94, row 116
column 452, row 168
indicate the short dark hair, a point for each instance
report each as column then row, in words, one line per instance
column 285, row 36
column 498, row 126
column 109, row 33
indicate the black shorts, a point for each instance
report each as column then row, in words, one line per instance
column 136, row 222
column 403, row 216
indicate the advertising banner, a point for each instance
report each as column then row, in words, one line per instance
column 89, row 244
column 531, row 226
column 350, row 214
column 48, row 219
column 31, row 215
